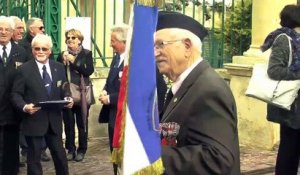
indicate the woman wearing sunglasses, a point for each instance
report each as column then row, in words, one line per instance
column 78, row 62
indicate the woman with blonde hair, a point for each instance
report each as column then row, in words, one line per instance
column 78, row 61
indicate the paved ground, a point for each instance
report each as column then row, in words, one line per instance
column 97, row 161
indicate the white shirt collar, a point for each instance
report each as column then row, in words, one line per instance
column 8, row 49
column 176, row 85
column 122, row 56
column 40, row 66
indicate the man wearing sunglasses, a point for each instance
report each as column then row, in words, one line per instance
column 34, row 26
column 41, row 79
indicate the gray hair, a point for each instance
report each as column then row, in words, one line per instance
column 5, row 19
column 197, row 44
column 120, row 31
column 30, row 22
column 42, row 38
column 15, row 19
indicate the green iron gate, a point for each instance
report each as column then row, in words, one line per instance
column 228, row 22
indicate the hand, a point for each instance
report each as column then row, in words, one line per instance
column 68, row 57
column 65, row 60
column 104, row 92
column 104, row 99
column 29, row 108
column 69, row 99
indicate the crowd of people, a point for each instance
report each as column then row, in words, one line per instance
column 199, row 104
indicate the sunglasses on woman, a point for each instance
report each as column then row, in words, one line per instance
column 72, row 37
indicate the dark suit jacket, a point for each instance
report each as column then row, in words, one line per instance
column 207, row 142
column 29, row 88
column 108, row 112
column 26, row 44
column 16, row 57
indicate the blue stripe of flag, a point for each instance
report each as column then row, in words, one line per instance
column 142, row 79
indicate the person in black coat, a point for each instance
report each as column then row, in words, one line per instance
column 78, row 61
column 14, row 57
column 34, row 26
column 200, row 133
column 38, row 80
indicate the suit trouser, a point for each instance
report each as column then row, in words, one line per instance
column 9, row 149
column 72, row 116
column 55, row 144
column 24, row 145
column 288, row 152
column 111, row 136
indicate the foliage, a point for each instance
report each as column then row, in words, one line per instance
column 237, row 32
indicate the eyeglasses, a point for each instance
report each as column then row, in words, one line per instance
column 161, row 44
column 44, row 49
column 72, row 37
column 40, row 28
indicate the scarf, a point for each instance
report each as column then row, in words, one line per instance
column 76, row 52
column 295, row 43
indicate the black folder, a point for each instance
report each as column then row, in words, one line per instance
column 55, row 104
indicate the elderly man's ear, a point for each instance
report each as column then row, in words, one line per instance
column 188, row 45
column 187, row 42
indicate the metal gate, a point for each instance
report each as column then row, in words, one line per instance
column 228, row 22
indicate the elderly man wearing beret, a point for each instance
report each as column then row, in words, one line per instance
column 201, row 112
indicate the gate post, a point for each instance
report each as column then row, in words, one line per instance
column 254, row 129
column 53, row 23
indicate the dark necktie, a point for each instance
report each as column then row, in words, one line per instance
column 117, row 61
column 4, row 55
column 47, row 80
column 168, row 98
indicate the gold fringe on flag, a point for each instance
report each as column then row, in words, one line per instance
column 154, row 169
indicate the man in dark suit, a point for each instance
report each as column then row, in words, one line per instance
column 41, row 79
column 34, row 26
column 109, row 95
column 201, row 118
column 11, row 57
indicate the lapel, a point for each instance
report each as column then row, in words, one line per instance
column 186, row 84
column 114, row 71
column 39, row 78
column 37, row 75
column 54, row 75
column 14, row 53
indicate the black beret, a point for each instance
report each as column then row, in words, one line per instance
column 168, row 19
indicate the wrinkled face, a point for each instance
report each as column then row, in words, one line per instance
column 169, row 51
column 72, row 42
column 37, row 27
column 18, row 31
column 6, row 33
column 118, row 46
column 41, row 51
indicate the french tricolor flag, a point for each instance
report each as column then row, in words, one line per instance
column 137, row 138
